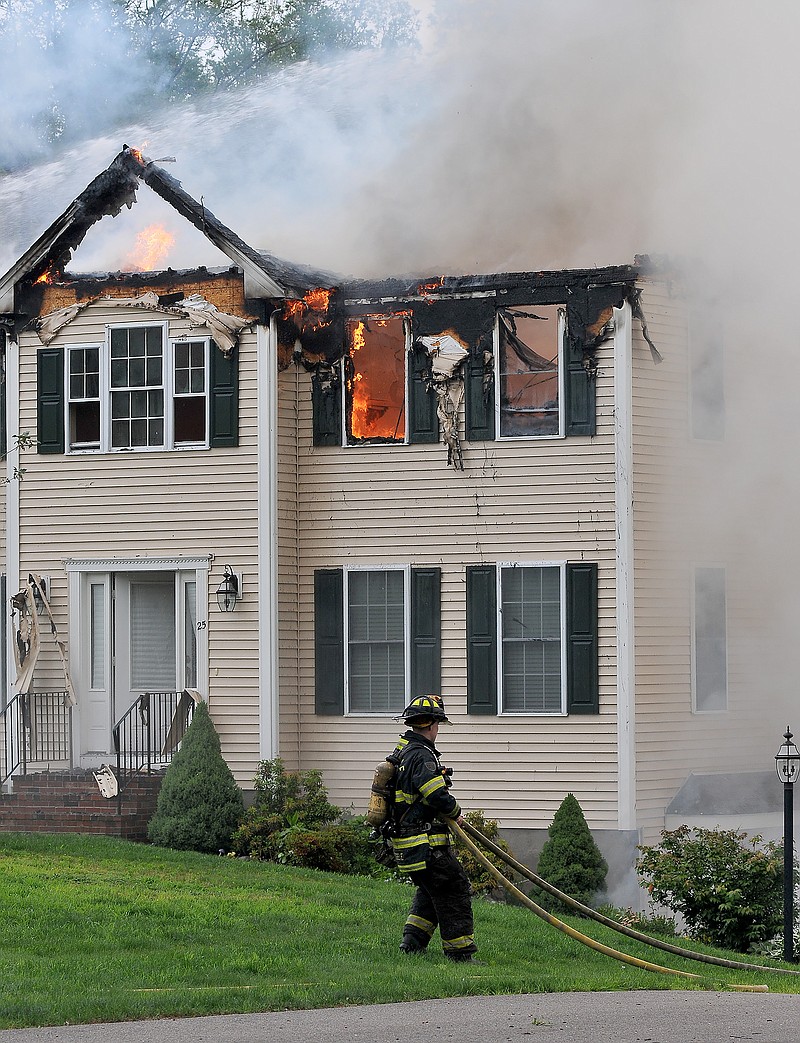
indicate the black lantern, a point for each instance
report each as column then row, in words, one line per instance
column 787, row 765
column 228, row 591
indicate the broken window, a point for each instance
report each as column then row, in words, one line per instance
column 138, row 390
column 376, row 640
column 375, row 379
column 84, row 398
column 530, row 600
column 528, row 351
column 710, row 640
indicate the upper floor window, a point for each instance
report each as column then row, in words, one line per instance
column 529, row 366
column 375, row 379
column 139, row 390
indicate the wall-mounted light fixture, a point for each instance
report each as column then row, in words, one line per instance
column 229, row 591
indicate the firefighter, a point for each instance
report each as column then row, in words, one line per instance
column 422, row 843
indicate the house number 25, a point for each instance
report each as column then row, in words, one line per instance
column 201, row 625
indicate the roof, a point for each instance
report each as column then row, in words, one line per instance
column 115, row 187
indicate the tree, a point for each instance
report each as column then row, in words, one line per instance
column 570, row 859
column 199, row 805
column 75, row 68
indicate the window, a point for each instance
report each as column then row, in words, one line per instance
column 377, row 634
column 529, row 371
column 532, row 638
column 530, row 612
column 709, row 640
column 138, row 390
column 375, row 379
column 376, row 640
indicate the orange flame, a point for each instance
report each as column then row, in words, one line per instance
column 376, row 389
column 318, row 299
column 152, row 246
column 48, row 276
column 425, row 288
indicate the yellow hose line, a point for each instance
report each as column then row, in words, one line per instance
column 633, row 961
column 586, row 910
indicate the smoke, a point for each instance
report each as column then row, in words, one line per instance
column 523, row 135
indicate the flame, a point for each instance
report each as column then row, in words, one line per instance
column 376, row 389
column 318, row 299
column 425, row 288
column 48, row 276
column 152, row 246
column 293, row 309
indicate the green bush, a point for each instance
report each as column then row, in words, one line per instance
column 199, row 805
column 482, row 881
column 285, row 800
column 727, row 887
column 570, row 859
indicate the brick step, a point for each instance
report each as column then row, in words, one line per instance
column 71, row 802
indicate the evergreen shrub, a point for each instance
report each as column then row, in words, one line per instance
column 199, row 805
column 570, row 859
column 728, row 887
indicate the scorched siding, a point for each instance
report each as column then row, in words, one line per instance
column 187, row 503
column 514, row 501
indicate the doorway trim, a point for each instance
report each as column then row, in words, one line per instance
column 78, row 568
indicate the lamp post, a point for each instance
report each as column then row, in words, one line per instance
column 787, row 764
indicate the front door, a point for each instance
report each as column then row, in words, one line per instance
column 141, row 636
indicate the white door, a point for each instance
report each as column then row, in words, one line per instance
column 141, row 636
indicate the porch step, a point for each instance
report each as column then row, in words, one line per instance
column 71, row 802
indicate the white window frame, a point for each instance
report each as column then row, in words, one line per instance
column 562, row 587
column 347, row 571
column 168, row 387
column 68, row 399
column 702, row 710
column 562, row 335
column 364, row 443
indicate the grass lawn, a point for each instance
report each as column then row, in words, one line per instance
column 98, row 929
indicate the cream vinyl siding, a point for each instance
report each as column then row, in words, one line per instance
column 522, row 500
column 681, row 522
column 152, row 504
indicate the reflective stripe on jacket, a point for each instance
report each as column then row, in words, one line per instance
column 421, row 797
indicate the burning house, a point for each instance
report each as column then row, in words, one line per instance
column 308, row 499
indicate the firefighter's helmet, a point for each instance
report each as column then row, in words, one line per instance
column 424, row 710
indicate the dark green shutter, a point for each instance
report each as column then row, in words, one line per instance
column 479, row 399
column 329, row 641
column 50, row 394
column 582, row 682
column 423, row 422
column 326, row 404
column 426, row 631
column 579, row 389
column 481, row 639
column 224, row 399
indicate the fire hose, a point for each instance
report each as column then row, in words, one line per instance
column 463, row 833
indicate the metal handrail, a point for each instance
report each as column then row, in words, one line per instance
column 37, row 728
column 148, row 734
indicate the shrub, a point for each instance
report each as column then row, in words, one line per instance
column 285, row 800
column 199, row 805
column 653, row 924
column 727, row 887
column 570, row 859
column 482, row 881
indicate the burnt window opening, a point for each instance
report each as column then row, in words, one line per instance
column 529, row 351
column 375, row 379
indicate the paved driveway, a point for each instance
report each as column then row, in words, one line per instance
column 598, row 1017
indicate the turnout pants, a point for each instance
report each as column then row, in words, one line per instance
column 442, row 899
